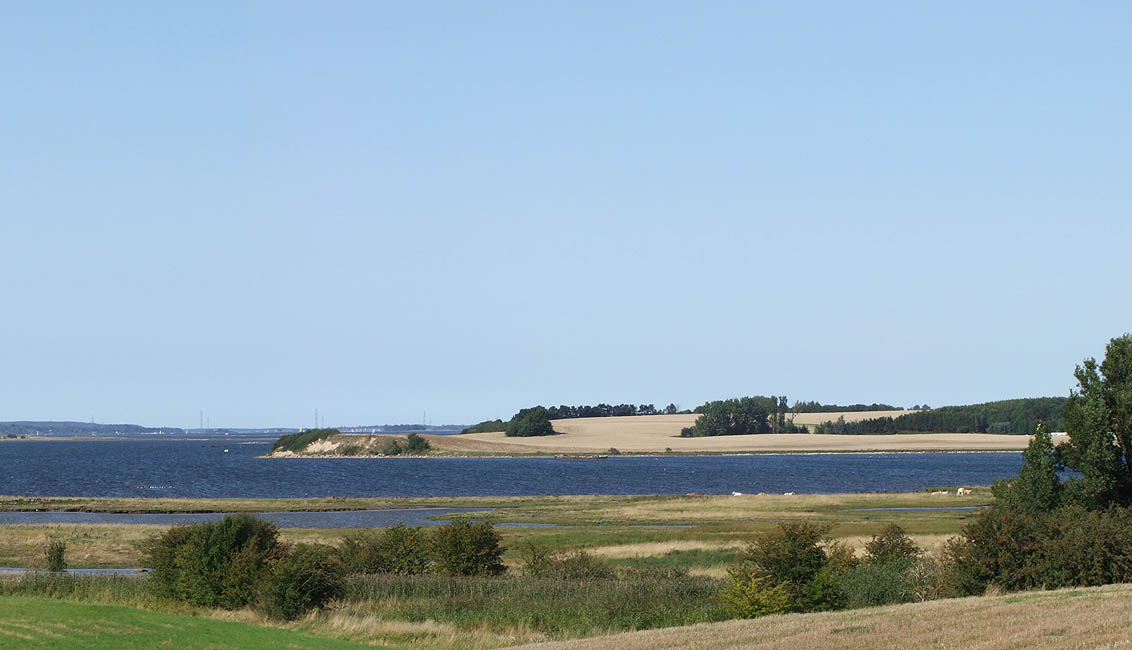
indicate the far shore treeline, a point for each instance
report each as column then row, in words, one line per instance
column 761, row 414
column 1017, row 416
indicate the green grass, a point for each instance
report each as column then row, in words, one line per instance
column 30, row 623
column 556, row 608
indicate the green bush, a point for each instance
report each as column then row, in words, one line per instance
column 391, row 447
column 1070, row 547
column 307, row 577
column 463, row 549
column 892, row 544
column 213, row 564
column 56, row 551
column 415, row 444
column 751, row 593
column 792, row 569
column 486, row 426
column 397, row 550
column 879, row 583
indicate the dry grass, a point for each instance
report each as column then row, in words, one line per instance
column 649, row 549
column 91, row 546
column 1082, row 618
column 658, row 433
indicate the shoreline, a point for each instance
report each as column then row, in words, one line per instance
column 648, row 454
column 232, row 505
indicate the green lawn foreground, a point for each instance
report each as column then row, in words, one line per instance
column 29, row 623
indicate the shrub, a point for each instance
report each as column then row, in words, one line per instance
column 750, row 593
column 486, row 427
column 1070, row 547
column 879, row 583
column 463, row 549
column 932, row 577
column 307, row 577
column 213, row 564
column 788, row 569
column 398, row 550
column 415, row 444
column 56, row 550
column 892, row 544
column 391, row 447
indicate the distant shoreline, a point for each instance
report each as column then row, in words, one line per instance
column 652, row 454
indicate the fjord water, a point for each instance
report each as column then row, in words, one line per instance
column 202, row 468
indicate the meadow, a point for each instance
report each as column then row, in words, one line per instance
column 625, row 528
column 669, row 553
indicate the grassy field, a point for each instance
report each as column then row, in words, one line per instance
column 1080, row 618
column 29, row 623
column 631, row 532
column 629, row 529
column 661, row 433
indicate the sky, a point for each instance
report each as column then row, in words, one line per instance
column 447, row 211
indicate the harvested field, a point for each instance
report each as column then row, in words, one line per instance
column 658, row 433
column 1077, row 618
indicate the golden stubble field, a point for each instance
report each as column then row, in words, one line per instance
column 1082, row 618
column 660, row 433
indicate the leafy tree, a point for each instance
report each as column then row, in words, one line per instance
column 415, row 444
column 787, row 570
column 1038, row 487
column 1099, row 423
column 530, row 422
column 890, row 545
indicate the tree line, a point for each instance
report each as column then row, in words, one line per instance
column 565, row 412
column 1015, row 416
column 741, row 416
column 818, row 407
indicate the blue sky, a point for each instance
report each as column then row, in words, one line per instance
column 383, row 209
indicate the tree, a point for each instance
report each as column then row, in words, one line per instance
column 1038, row 487
column 1098, row 419
column 530, row 422
column 787, row 570
column 415, row 444
column 891, row 545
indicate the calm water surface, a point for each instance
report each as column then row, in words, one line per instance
column 196, row 468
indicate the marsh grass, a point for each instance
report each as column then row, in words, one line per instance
column 555, row 608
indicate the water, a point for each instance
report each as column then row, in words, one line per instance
column 202, row 468
column 335, row 519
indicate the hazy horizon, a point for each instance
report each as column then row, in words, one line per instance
column 379, row 210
